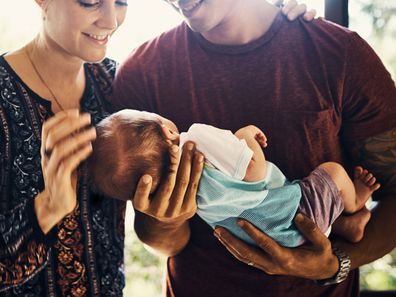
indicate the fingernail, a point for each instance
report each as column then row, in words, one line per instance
column 189, row 146
column 241, row 223
column 174, row 148
column 200, row 158
column 146, row 179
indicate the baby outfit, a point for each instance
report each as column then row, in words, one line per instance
column 270, row 204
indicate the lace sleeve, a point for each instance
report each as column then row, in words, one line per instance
column 24, row 249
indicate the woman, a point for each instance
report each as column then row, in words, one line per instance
column 57, row 237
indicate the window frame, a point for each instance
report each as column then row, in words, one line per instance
column 337, row 12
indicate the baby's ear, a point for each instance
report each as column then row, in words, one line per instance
column 170, row 135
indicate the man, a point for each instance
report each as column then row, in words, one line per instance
column 319, row 92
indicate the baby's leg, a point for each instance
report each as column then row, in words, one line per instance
column 352, row 227
column 354, row 194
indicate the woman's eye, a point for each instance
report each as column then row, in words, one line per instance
column 88, row 4
column 122, row 3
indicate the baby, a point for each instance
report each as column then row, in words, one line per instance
column 237, row 181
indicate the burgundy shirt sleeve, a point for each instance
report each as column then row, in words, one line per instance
column 369, row 93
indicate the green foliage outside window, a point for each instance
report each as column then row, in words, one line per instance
column 144, row 271
column 381, row 12
column 375, row 20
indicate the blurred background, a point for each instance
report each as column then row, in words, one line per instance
column 374, row 20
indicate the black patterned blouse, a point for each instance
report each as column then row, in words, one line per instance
column 83, row 254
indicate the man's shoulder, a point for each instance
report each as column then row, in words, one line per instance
column 320, row 31
column 324, row 25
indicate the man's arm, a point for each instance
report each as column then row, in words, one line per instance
column 377, row 154
column 315, row 260
column 161, row 220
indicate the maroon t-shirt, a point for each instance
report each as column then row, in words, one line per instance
column 308, row 86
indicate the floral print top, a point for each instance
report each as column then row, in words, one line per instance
column 83, row 254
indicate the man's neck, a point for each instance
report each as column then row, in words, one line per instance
column 246, row 24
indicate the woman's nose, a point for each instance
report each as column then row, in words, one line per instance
column 108, row 17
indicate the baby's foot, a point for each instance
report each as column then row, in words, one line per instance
column 261, row 139
column 351, row 227
column 365, row 185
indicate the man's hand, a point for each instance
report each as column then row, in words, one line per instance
column 174, row 202
column 293, row 10
column 313, row 260
column 161, row 219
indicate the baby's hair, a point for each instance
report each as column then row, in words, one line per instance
column 124, row 150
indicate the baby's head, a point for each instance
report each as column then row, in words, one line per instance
column 129, row 144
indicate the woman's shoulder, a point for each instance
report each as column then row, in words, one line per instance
column 11, row 102
column 8, row 83
column 105, row 67
column 103, row 73
column 6, row 72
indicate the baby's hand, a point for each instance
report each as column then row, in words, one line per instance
column 261, row 138
column 252, row 133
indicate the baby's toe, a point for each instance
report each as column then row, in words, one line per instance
column 371, row 181
column 358, row 171
column 367, row 178
column 375, row 187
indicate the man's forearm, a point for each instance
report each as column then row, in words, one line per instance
column 380, row 235
column 167, row 239
column 378, row 155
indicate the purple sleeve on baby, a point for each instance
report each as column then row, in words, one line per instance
column 321, row 200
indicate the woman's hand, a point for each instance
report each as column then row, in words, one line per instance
column 293, row 10
column 161, row 219
column 313, row 260
column 66, row 142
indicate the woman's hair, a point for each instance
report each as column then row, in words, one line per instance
column 124, row 150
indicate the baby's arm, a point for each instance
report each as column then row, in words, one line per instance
column 256, row 141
